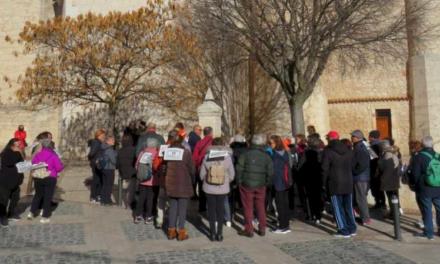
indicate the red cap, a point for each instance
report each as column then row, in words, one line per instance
column 333, row 135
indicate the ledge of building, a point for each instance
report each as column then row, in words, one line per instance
column 368, row 100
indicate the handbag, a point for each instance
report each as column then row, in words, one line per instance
column 41, row 171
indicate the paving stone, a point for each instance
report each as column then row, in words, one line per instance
column 203, row 256
column 143, row 232
column 340, row 251
column 92, row 257
column 41, row 235
column 63, row 208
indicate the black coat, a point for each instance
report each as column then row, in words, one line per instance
column 9, row 176
column 310, row 172
column 193, row 138
column 126, row 161
column 336, row 168
column 388, row 172
column 94, row 151
column 417, row 177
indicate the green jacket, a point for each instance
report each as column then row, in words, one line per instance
column 255, row 168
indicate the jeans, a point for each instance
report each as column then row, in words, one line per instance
column 96, row 185
column 361, row 192
column 426, row 206
column 251, row 197
column 216, row 212
column 147, row 197
column 177, row 211
column 343, row 213
column 282, row 204
column 44, row 192
column 108, row 180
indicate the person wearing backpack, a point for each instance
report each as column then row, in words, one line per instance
column 425, row 178
column 217, row 173
column 107, row 163
column 94, row 153
column 146, row 167
column 282, row 180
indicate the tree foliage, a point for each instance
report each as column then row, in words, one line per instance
column 107, row 59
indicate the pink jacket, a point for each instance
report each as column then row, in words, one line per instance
column 48, row 156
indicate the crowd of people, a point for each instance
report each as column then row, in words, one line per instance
column 261, row 177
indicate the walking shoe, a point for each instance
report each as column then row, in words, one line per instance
column 138, row 219
column 30, row 216
column 4, row 222
column 45, row 220
column 182, row 234
column 212, row 237
column 171, row 233
column 219, row 238
column 245, row 233
column 281, row 231
column 149, row 220
column 261, row 233
column 353, row 234
column 317, row 222
column 422, row 235
column 367, row 222
column 14, row 218
column 228, row 223
column 339, row 235
column 93, row 201
column 420, row 224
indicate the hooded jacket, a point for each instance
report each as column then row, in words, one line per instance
column 255, row 168
column 282, row 168
column 9, row 176
column 180, row 176
column 149, row 139
column 200, row 151
column 110, row 155
column 51, row 158
column 336, row 168
column 419, row 171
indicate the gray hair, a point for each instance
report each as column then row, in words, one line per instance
column 259, row 139
column 428, row 142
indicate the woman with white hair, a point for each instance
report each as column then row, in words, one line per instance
column 45, row 187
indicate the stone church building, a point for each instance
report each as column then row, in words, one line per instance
column 399, row 99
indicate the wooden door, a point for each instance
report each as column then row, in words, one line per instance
column 383, row 123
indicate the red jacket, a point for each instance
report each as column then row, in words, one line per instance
column 200, row 151
column 21, row 135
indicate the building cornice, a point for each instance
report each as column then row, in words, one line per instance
column 368, row 100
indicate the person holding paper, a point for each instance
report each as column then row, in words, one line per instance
column 10, row 181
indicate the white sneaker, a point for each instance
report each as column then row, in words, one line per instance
column 317, row 222
column 341, row 236
column 30, row 216
column 228, row 224
column 41, row 213
column 281, row 231
column 45, row 220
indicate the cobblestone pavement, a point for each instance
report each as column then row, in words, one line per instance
column 83, row 233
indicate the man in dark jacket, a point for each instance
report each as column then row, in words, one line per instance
column 361, row 174
column 379, row 196
column 254, row 173
column 425, row 194
column 338, row 180
column 194, row 137
column 149, row 138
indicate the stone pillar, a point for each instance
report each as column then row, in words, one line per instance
column 423, row 76
column 210, row 114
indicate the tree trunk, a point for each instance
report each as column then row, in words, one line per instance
column 297, row 116
column 251, row 87
column 112, row 122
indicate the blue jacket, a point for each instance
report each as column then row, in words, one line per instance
column 417, row 177
column 361, row 163
column 279, row 168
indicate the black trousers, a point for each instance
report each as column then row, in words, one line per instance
column 216, row 212
column 147, row 199
column 316, row 203
column 44, row 192
column 96, row 185
column 202, row 195
column 379, row 196
column 8, row 201
column 282, row 203
column 390, row 197
column 108, row 179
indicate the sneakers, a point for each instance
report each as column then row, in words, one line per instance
column 339, row 235
column 149, row 220
column 138, row 219
column 93, row 201
column 45, row 220
column 422, row 235
column 317, row 222
column 367, row 222
column 281, row 231
column 353, row 234
column 245, row 233
column 14, row 218
column 420, row 224
column 228, row 224
column 30, row 216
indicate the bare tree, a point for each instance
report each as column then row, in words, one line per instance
column 293, row 40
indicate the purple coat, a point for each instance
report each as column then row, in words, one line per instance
column 51, row 158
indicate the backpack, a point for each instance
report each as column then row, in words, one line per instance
column 433, row 171
column 216, row 174
column 145, row 164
